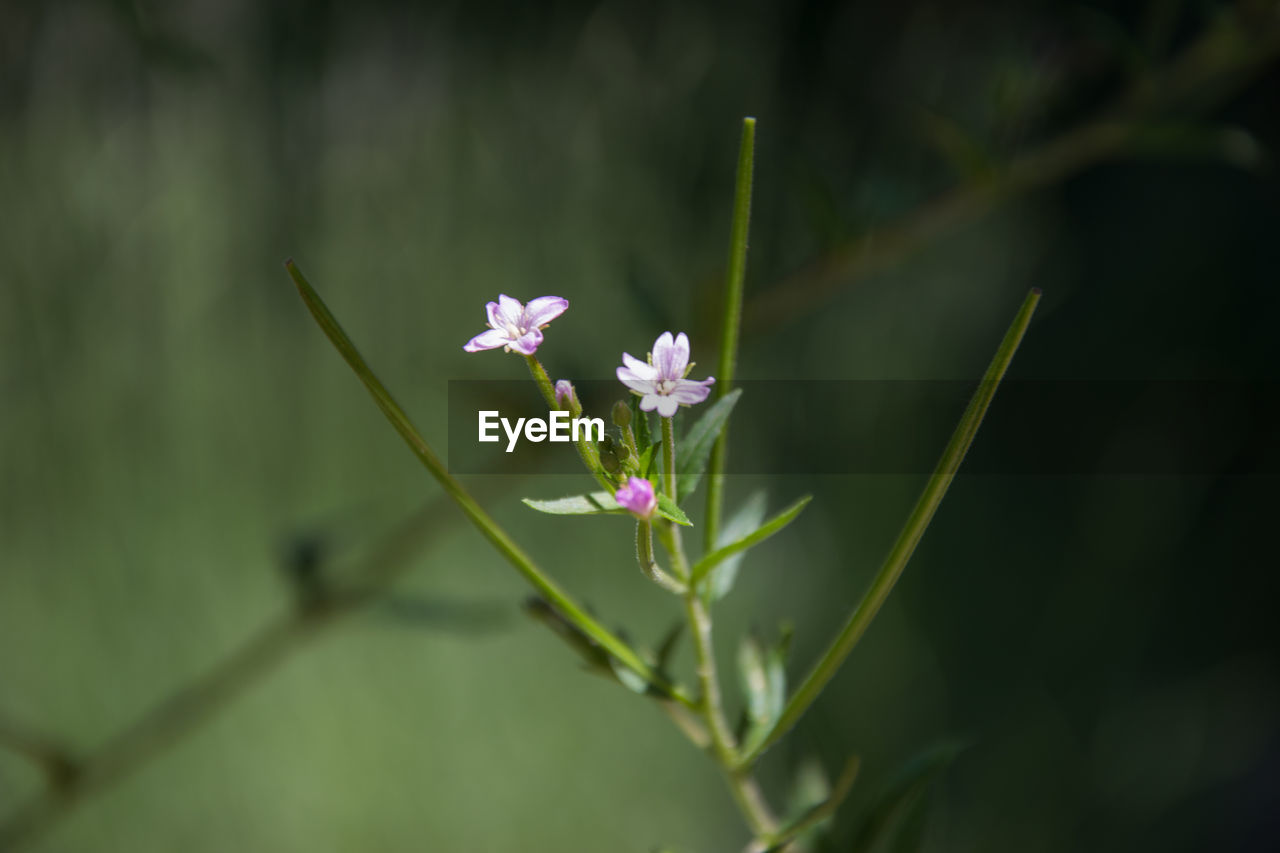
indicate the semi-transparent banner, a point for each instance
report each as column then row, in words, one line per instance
column 1034, row 427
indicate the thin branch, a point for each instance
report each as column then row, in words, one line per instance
column 1221, row 62
column 184, row 711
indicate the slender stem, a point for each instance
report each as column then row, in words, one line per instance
column 911, row 533
column 586, row 450
column 742, row 785
column 543, row 380
column 483, row 522
column 648, row 565
column 669, row 457
column 731, row 324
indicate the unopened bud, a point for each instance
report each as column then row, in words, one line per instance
column 621, row 414
column 608, row 456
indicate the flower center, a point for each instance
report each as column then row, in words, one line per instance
column 512, row 331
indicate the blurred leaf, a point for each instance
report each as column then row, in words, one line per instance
column 628, row 679
column 441, row 614
column 884, row 826
column 595, row 503
column 591, row 652
column 692, row 452
column 668, row 646
column 813, row 804
column 964, row 154
column 753, row 679
column 747, row 519
column 770, row 527
column 763, row 675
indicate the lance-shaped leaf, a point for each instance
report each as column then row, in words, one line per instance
column 761, row 533
column 763, row 676
column 899, row 805
column 912, row 531
column 742, row 523
column 602, row 503
column 814, row 804
column 692, row 454
column 591, row 504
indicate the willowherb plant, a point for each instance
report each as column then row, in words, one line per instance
column 649, row 477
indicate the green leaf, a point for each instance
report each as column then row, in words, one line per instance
column 640, row 423
column 668, row 510
column 645, row 462
column 763, row 676
column 812, row 805
column 898, row 806
column 770, row 527
column 668, row 645
column 627, row 678
column 596, row 503
column 692, row 453
column 753, row 680
column 912, row 531
column 746, row 520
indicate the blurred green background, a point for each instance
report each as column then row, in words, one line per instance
column 173, row 425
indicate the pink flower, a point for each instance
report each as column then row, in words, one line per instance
column 637, row 497
column 518, row 327
column 661, row 382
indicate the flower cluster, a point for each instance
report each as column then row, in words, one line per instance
column 662, row 382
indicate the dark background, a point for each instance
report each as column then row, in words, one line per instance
column 172, row 423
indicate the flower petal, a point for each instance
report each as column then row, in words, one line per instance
column 640, row 369
column 667, row 406
column 664, row 356
column 681, row 356
column 494, row 313
column 543, row 310
column 488, row 339
column 527, row 343
column 650, row 401
column 689, row 393
column 509, row 311
column 635, row 383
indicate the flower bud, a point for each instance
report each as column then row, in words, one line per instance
column 621, row 414
column 608, row 455
column 637, row 497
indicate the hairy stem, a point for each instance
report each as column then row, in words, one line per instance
column 731, row 325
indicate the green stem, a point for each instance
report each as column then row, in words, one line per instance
column 731, row 325
column 669, row 457
column 746, row 793
column 586, row 450
column 908, row 538
column 483, row 522
column 648, row 565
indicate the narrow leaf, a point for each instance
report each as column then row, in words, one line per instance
column 913, row 530
column 568, row 609
column 896, row 807
column 596, row 503
column 770, row 527
column 746, row 520
column 754, row 681
column 640, row 423
column 691, row 455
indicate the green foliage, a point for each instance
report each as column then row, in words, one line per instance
column 694, row 450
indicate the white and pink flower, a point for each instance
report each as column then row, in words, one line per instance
column 661, row 383
column 514, row 326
